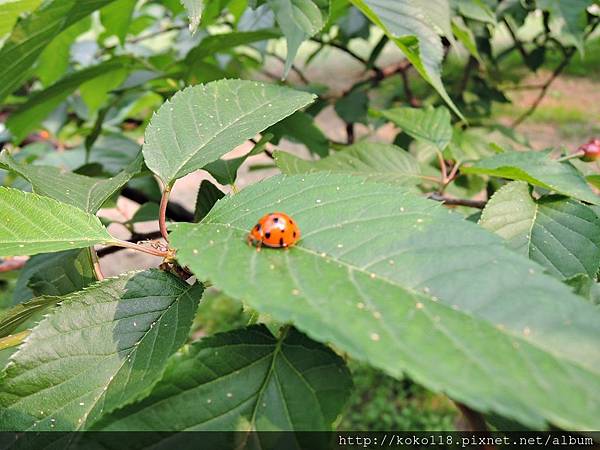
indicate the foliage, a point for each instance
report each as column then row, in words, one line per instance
column 452, row 263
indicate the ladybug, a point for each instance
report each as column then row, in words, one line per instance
column 276, row 230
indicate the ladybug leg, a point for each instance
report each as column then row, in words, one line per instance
column 258, row 246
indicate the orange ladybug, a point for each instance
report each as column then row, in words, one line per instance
column 277, row 230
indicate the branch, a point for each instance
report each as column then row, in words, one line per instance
column 479, row 204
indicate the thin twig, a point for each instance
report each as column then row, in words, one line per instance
column 162, row 213
column 343, row 48
column 568, row 55
column 479, row 204
column 134, row 239
column 464, row 82
column 13, row 340
column 350, row 133
column 518, row 44
column 293, row 67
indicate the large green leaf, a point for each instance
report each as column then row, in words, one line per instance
column 298, row 20
column 427, row 125
column 34, row 33
column 539, row 169
column 10, row 10
column 406, row 285
column 243, row 380
column 202, row 123
column 561, row 234
column 34, row 224
column 101, row 349
column 81, row 191
column 407, row 24
column 55, row 274
column 374, row 160
column 42, row 103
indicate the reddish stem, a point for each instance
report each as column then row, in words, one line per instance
column 162, row 213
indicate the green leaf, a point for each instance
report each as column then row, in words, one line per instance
column 194, row 10
column 81, row 191
column 202, row 123
column 11, row 319
column 477, row 10
column 409, row 26
column 147, row 212
column 28, row 116
column 594, row 180
column 585, row 286
column 218, row 43
column 11, row 10
column 560, row 234
column 34, row 224
column 353, row 108
column 54, row 60
column 300, row 127
column 95, row 91
column 102, row 348
column 419, row 285
column 117, row 16
column 54, row 274
column 465, row 36
column 34, row 33
column 244, row 380
column 539, row 169
column 571, row 17
column 225, row 170
column 373, row 160
column 208, row 195
column 298, row 20
column 428, row 125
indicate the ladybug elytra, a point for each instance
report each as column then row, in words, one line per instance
column 277, row 230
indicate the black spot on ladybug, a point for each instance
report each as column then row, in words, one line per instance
column 294, row 234
column 291, row 222
column 257, row 227
column 281, row 242
column 268, row 234
column 275, row 219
